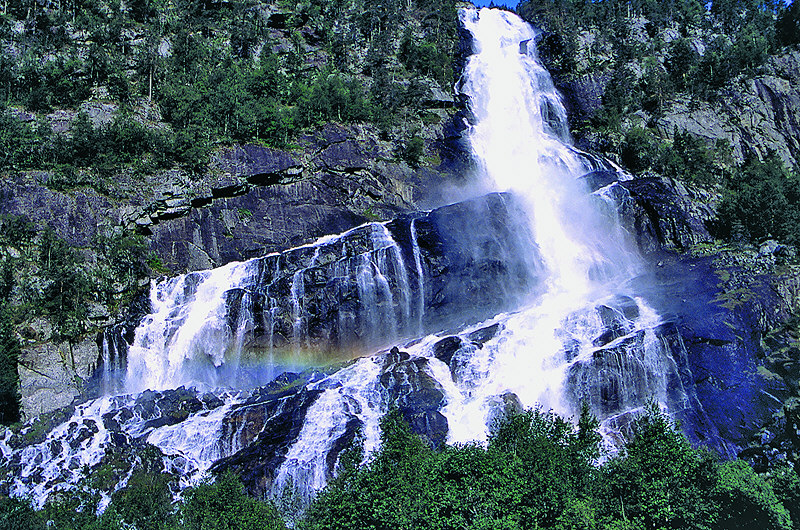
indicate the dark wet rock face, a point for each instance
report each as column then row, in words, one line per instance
column 717, row 308
column 264, row 428
column 377, row 283
column 416, row 394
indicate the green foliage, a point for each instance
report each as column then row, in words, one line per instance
column 121, row 142
column 537, row 471
column 657, row 54
column 552, row 462
column 425, row 58
column 72, row 510
column 197, row 61
column 746, row 499
column 56, row 83
column 682, row 62
column 761, row 199
column 146, row 501
column 9, row 378
column 788, row 25
column 16, row 140
column 223, row 504
column 17, row 230
column 685, row 158
column 786, row 484
column 6, row 276
column 389, row 492
column 690, row 159
column 17, row 514
column 332, row 96
column 66, row 289
column 639, row 149
column 125, row 261
column 662, row 482
column 413, row 151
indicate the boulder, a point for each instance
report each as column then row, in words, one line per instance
column 280, row 420
column 416, row 394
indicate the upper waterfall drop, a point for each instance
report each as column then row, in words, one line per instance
column 188, row 338
column 586, row 320
column 520, row 137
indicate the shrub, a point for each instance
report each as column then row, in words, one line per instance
column 639, row 150
column 146, row 501
column 72, row 510
column 788, row 25
column 786, row 484
column 661, row 482
column 413, row 150
column 223, row 504
column 17, row 514
column 747, row 500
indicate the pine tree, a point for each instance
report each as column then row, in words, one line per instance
column 9, row 378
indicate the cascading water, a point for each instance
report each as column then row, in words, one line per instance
column 544, row 354
column 202, row 322
column 519, row 139
column 187, row 338
column 351, row 395
column 581, row 335
column 420, row 277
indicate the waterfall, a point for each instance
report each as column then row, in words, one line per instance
column 521, row 142
column 587, row 316
column 420, row 276
column 351, row 395
column 578, row 332
column 188, row 339
column 203, row 323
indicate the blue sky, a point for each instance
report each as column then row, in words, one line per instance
column 483, row 3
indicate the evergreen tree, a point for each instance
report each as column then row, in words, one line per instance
column 788, row 25
column 9, row 377
column 223, row 504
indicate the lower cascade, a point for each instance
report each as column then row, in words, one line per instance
column 528, row 294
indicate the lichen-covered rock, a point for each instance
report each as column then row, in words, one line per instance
column 756, row 115
column 47, row 379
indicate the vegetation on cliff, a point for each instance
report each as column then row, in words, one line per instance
column 183, row 77
column 9, row 379
column 43, row 277
column 655, row 52
column 641, row 69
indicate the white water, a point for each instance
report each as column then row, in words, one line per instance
column 420, row 277
column 64, row 455
column 71, row 452
column 187, row 338
column 521, row 143
column 353, row 392
column 519, row 139
column 192, row 446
